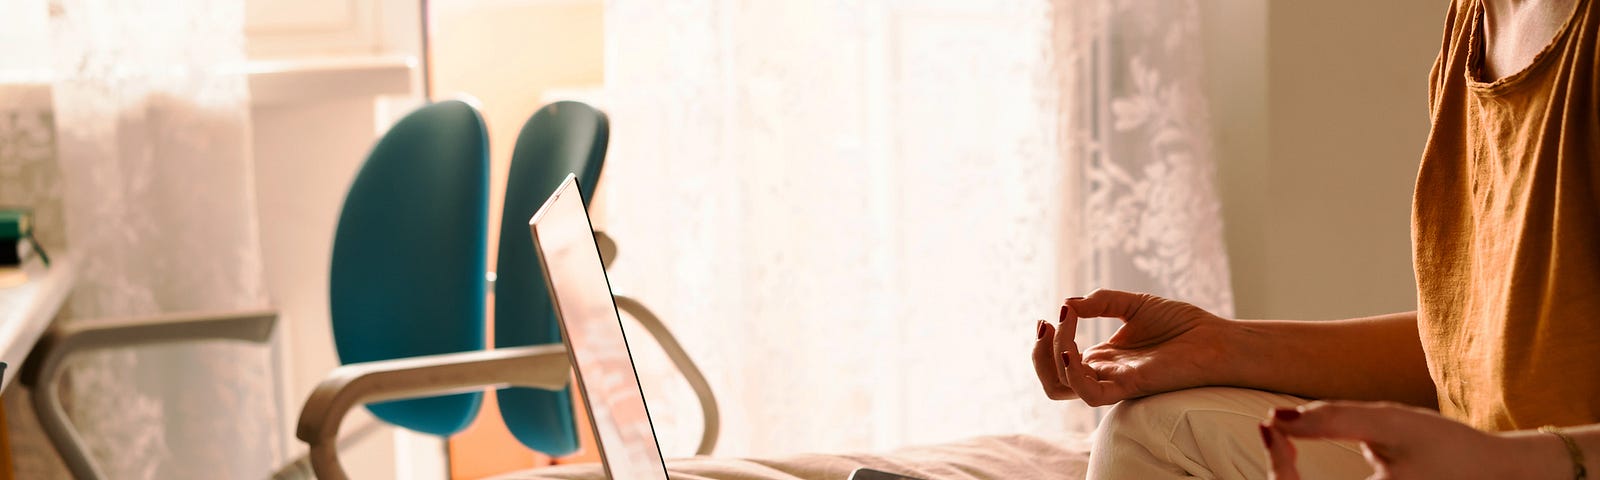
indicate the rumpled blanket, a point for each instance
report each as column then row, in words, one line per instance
column 980, row 458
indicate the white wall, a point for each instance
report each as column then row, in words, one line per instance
column 328, row 77
column 1320, row 109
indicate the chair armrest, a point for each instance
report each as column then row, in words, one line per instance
column 44, row 365
column 680, row 359
column 669, row 345
column 540, row 366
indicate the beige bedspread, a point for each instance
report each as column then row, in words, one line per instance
column 981, row 458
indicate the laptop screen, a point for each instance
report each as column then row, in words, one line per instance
column 592, row 330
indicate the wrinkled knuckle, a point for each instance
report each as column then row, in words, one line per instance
column 1103, row 293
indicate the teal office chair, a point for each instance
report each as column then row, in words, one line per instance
column 560, row 139
column 390, row 286
column 409, row 255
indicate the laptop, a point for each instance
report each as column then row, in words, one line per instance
column 592, row 331
column 596, row 344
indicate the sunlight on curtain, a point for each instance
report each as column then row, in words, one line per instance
column 152, row 122
column 851, row 212
column 1137, row 126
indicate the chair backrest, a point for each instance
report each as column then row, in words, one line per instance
column 560, row 139
column 410, row 253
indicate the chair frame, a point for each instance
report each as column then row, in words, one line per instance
column 42, row 371
column 539, row 366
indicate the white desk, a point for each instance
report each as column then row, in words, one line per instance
column 26, row 312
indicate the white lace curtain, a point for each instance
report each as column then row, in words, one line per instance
column 149, row 183
column 851, row 212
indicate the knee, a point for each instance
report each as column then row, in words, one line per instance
column 1155, row 418
column 1143, row 419
column 1133, row 439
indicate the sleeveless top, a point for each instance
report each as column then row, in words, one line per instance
column 1506, row 230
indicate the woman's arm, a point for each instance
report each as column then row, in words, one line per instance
column 1166, row 345
column 1373, row 358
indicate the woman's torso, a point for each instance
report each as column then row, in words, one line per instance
column 1506, row 230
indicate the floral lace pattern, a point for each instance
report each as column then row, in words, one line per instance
column 148, row 180
column 851, row 212
column 1137, row 129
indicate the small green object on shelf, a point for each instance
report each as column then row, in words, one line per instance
column 17, row 242
column 16, row 224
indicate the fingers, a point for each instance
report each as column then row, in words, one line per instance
column 1371, row 422
column 1066, row 344
column 1085, row 382
column 1045, row 364
column 1108, row 303
column 1383, row 428
column 1281, row 452
column 1073, row 372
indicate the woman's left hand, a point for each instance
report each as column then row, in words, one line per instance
column 1403, row 442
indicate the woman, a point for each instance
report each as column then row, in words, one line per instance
column 1496, row 375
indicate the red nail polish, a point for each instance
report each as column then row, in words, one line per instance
column 1286, row 414
column 1066, row 359
column 1266, row 436
column 1041, row 331
column 1063, row 317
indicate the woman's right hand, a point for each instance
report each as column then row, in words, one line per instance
column 1163, row 345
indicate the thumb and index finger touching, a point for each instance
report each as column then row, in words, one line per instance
column 1074, row 372
column 1071, row 376
column 1108, row 303
column 1100, row 303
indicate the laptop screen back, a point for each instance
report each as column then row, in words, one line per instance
column 593, row 333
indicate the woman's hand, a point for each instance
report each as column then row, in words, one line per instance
column 1404, row 442
column 1164, row 345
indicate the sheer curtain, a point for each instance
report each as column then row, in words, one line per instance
column 151, row 190
column 1136, row 129
column 852, row 211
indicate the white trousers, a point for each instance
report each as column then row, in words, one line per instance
column 1208, row 433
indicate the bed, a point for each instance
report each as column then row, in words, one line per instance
column 980, row 458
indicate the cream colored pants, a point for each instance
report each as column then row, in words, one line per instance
column 1207, row 433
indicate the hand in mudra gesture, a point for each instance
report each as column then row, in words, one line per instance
column 1163, row 345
